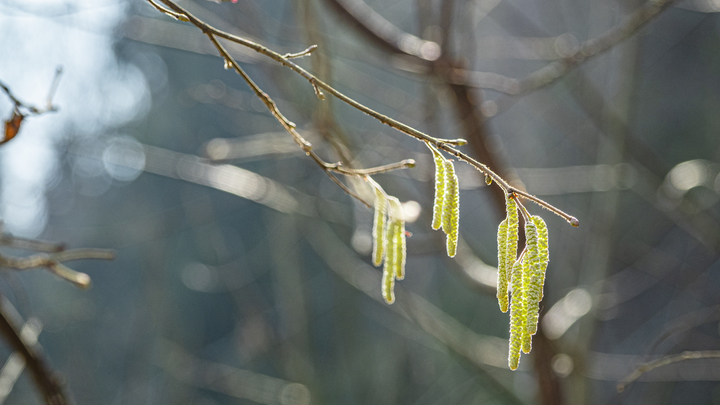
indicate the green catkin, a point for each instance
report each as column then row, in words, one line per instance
column 502, row 281
column 509, row 251
column 389, row 272
column 378, row 231
column 526, row 276
column 512, row 233
column 451, row 206
column 398, row 235
column 539, row 266
column 543, row 253
column 439, row 188
column 518, row 316
column 533, row 276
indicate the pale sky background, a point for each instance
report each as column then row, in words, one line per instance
column 96, row 94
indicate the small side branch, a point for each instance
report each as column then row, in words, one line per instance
column 404, row 164
column 306, row 52
column 53, row 262
column 664, row 361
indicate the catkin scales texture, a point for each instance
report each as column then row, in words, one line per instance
column 507, row 250
column 389, row 271
column 512, row 232
column 378, row 231
column 398, row 235
column 518, row 316
column 395, row 251
column 526, row 275
column 538, row 250
column 503, row 279
column 534, row 287
column 439, row 190
column 543, row 253
column 451, row 207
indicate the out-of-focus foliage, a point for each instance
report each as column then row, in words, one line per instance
column 244, row 275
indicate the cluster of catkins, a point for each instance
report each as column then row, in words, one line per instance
column 388, row 240
column 525, row 275
column 446, row 205
column 520, row 277
column 389, row 224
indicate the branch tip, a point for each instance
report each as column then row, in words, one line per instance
column 306, row 52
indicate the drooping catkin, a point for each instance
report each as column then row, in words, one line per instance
column 533, row 276
column 378, row 231
column 502, row 281
column 451, row 206
column 397, row 217
column 439, row 188
column 543, row 253
column 507, row 250
column 539, row 265
column 518, row 316
column 512, row 232
column 388, row 284
column 526, row 276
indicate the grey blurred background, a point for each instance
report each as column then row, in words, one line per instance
column 243, row 273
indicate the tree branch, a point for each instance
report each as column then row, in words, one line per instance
column 664, row 361
column 211, row 32
column 53, row 262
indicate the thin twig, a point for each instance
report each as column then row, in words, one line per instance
column 171, row 13
column 306, row 52
column 47, row 382
column 53, row 87
column 664, row 361
column 404, row 164
column 53, row 262
column 30, row 108
column 30, row 244
column 45, row 259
